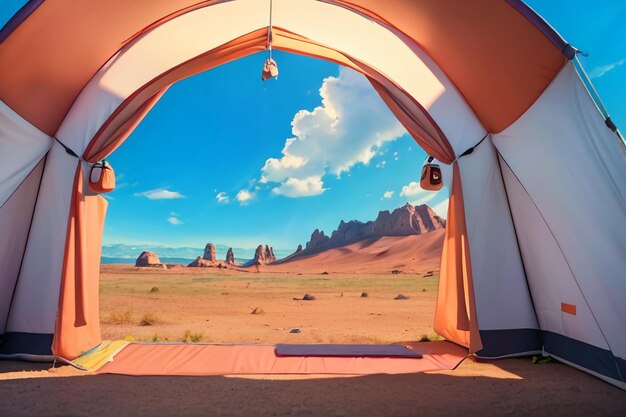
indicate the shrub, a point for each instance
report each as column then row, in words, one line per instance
column 154, row 290
column 430, row 337
column 125, row 317
column 192, row 337
column 148, row 319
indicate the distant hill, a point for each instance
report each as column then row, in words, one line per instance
column 408, row 239
column 416, row 254
column 404, row 221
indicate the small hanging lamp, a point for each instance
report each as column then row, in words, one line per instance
column 270, row 69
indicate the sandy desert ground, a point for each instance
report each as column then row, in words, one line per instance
column 217, row 305
column 214, row 305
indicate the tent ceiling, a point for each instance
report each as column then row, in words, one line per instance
column 499, row 60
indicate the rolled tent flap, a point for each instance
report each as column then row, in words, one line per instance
column 77, row 328
column 455, row 315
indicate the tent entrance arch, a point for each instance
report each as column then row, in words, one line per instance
column 140, row 157
column 497, row 298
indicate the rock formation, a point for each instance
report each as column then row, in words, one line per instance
column 403, row 221
column 318, row 239
column 259, row 255
column 148, row 258
column 230, row 257
column 299, row 249
column 202, row 263
column 269, row 254
column 209, row 252
column 263, row 255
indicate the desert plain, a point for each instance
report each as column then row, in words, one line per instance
column 211, row 305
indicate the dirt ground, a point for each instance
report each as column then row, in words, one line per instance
column 216, row 305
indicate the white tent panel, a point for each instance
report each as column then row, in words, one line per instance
column 15, row 219
column 572, row 168
column 22, row 146
column 501, row 293
column 37, row 294
column 550, row 279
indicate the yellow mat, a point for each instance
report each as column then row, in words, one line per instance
column 103, row 354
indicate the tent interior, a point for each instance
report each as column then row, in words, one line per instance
column 528, row 265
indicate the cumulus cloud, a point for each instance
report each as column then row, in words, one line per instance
column 348, row 128
column 603, row 69
column 294, row 187
column 222, row 198
column 416, row 194
column 160, row 194
column 441, row 208
column 174, row 220
column 244, row 197
column 387, row 194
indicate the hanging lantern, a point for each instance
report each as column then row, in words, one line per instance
column 270, row 69
column 431, row 176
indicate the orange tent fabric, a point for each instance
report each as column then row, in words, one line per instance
column 78, row 319
column 194, row 359
column 500, row 61
column 455, row 315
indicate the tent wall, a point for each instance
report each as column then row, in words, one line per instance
column 506, row 318
column 26, row 146
column 564, row 172
column 34, row 308
column 15, row 219
column 22, row 148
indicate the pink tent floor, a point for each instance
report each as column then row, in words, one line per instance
column 211, row 359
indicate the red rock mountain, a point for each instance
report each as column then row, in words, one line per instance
column 403, row 221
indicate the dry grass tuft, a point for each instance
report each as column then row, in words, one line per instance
column 431, row 337
column 148, row 319
column 192, row 337
column 119, row 318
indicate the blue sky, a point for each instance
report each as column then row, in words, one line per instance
column 221, row 133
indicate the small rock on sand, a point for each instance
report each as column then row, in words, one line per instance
column 258, row 311
column 309, row 297
column 364, row 294
column 401, row 297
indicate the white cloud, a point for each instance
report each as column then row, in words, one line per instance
column 603, row 69
column 294, row 187
column 381, row 164
column 387, row 194
column 395, row 156
column 442, row 208
column 160, row 194
column 244, row 197
column 411, row 190
column 416, row 194
column 174, row 220
column 347, row 129
column 222, row 198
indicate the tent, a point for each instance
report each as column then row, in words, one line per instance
column 534, row 259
